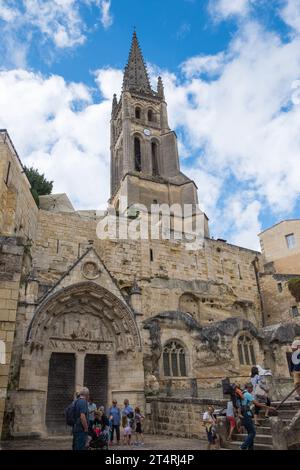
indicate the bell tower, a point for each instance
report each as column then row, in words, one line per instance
column 145, row 164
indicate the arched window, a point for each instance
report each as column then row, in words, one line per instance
column 150, row 115
column 137, row 154
column 138, row 113
column 154, row 153
column 174, row 360
column 246, row 351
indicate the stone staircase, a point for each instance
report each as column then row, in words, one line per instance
column 263, row 438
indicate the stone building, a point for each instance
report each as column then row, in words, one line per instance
column 280, row 246
column 128, row 318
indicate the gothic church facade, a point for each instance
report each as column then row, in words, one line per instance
column 127, row 318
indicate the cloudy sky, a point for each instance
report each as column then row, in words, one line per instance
column 231, row 70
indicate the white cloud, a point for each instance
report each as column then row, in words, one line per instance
column 244, row 220
column 106, row 17
column 245, row 126
column 8, row 12
column 60, row 22
column 222, row 9
column 109, row 81
column 61, row 131
column 198, row 65
column 290, row 13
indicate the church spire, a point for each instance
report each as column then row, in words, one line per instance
column 135, row 74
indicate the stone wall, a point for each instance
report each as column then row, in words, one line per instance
column 275, row 249
column 11, row 254
column 180, row 417
column 18, row 210
column 221, row 276
column 278, row 302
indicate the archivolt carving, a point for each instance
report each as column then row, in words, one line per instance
column 84, row 316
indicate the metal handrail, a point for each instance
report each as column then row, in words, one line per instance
column 287, row 396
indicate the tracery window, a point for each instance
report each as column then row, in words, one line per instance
column 174, row 360
column 246, row 351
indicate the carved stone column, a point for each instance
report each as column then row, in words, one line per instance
column 79, row 374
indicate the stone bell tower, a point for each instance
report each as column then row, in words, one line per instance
column 144, row 152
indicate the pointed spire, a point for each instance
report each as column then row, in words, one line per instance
column 114, row 104
column 160, row 88
column 135, row 73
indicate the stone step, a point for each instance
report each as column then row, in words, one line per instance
column 259, row 438
column 265, row 430
column 291, row 404
column 235, row 445
column 264, row 423
column 286, row 414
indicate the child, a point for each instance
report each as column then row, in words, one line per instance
column 128, row 429
column 231, row 418
column 138, row 417
column 111, row 422
column 209, row 421
column 124, row 425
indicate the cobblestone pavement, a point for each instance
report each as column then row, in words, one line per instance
column 152, row 442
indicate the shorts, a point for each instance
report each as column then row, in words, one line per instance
column 296, row 375
column 232, row 421
column 127, row 431
column 211, row 436
column 138, row 428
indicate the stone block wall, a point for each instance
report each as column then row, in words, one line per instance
column 275, row 248
column 180, row 417
column 11, row 255
column 18, row 210
column 220, row 275
column 278, row 302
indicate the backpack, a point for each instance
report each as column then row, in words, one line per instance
column 245, row 409
column 233, row 391
column 70, row 414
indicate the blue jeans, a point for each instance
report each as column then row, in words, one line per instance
column 79, row 440
column 250, row 428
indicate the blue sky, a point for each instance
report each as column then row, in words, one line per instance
column 231, row 70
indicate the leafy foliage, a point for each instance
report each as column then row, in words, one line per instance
column 294, row 288
column 39, row 185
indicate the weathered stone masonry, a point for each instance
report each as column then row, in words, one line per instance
column 146, row 317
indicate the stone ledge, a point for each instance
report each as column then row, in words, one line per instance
column 188, row 400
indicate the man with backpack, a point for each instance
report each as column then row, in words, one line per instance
column 80, row 418
column 245, row 409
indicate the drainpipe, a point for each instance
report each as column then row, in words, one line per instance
column 256, row 272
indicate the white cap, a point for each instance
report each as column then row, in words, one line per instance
column 296, row 344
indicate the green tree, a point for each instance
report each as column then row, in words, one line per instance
column 39, row 185
column 294, row 288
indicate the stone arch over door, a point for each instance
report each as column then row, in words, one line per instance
column 84, row 320
column 78, row 300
